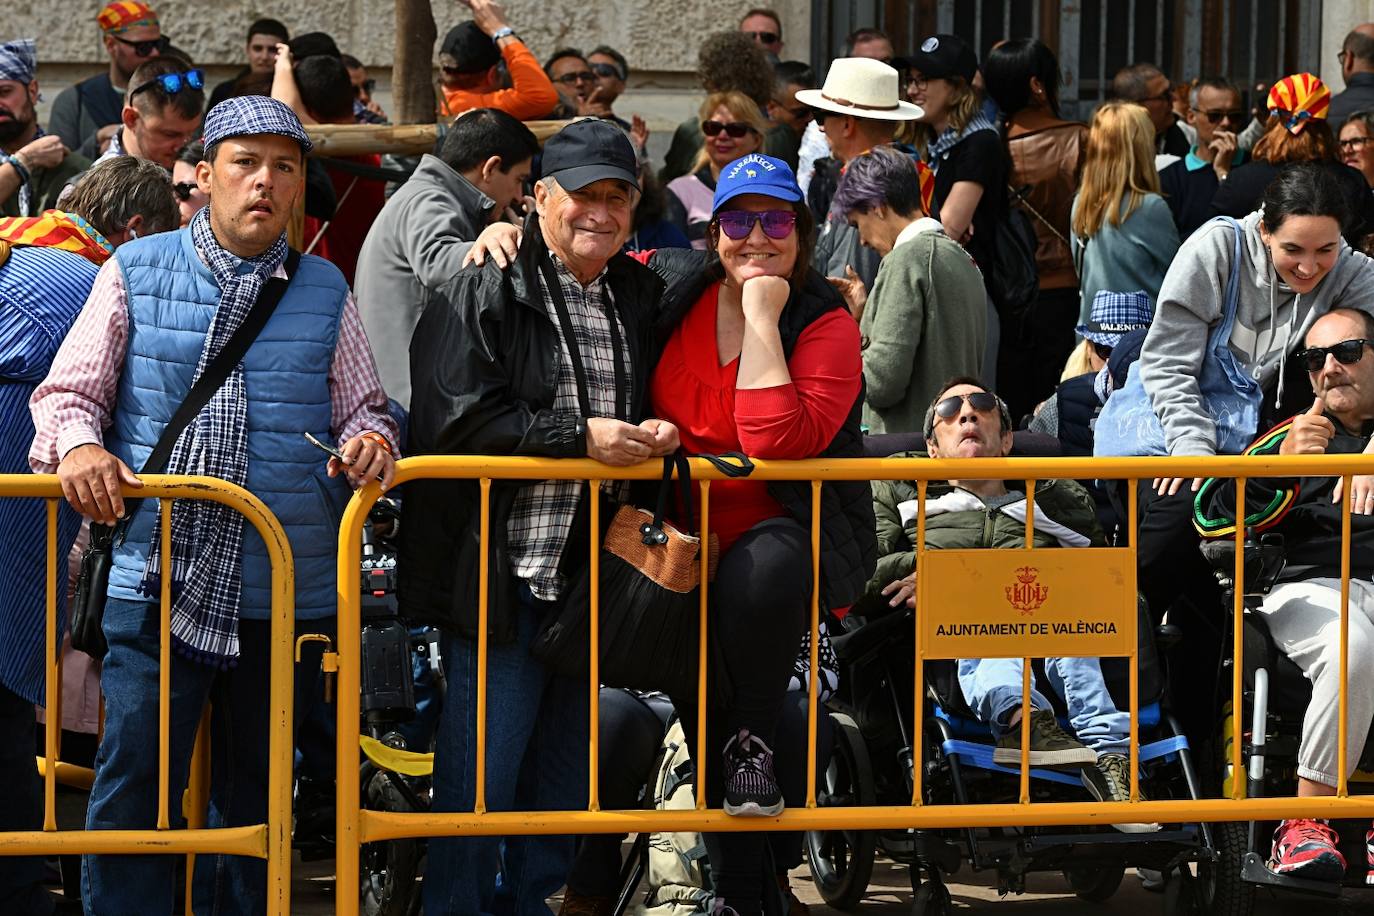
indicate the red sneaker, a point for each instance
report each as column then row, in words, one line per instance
column 1306, row 849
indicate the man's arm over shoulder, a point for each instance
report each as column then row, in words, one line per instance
column 462, row 398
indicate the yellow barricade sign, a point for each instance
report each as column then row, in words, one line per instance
column 1027, row 603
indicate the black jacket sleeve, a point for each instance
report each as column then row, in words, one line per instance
column 466, row 396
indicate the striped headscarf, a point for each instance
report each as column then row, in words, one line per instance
column 54, row 229
column 1299, row 98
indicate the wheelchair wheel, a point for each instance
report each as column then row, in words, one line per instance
column 389, row 870
column 842, row 860
column 932, row 898
column 1218, row 888
column 1094, row 884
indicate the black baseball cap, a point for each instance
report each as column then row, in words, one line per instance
column 587, row 151
column 943, row 56
column 472, row 48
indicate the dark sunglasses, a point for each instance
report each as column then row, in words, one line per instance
column 582, row 76
column 451, row 71
column 1102, row 350
column 981, row 401
column 172, row 83
column 182, row 190
column 1216, row 117
column 1346, row 352
column 735, row 129
column 764, row 37
column 737, row 224
column 146, row 48
column 365, row 86
column 607, row 71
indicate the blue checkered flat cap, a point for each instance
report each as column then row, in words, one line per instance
column 248, row 115
column 1116, row 314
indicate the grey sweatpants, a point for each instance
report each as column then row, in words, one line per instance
column 1305, row 621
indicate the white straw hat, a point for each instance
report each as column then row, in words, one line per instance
column 862, row 87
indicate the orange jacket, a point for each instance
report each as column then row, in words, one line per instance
column 532, row 96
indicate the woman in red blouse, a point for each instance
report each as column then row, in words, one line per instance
column 761, row 356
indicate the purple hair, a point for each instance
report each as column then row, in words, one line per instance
column 882, row 176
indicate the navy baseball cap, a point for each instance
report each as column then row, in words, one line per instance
column 756, row 174
column 247, row 115
column 587, row 151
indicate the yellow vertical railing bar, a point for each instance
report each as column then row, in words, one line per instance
column 814, row 687
column 702, row 653
column 197, row 794
column 919, row 686
column 1343, row 707
column 594, row 663
column 164, row 694
column 479, row 805
column 1030, row 514
column 52, row 726
column 1238, row 650
column 348, row 700
column 1134, row 611
column 1025, row 730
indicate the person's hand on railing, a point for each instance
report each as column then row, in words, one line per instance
column 91, row 478
column 499, row 241
column 369, row 458
column 1168, row 486
column 1361, row 489
column 665, row 435
column 618, row 443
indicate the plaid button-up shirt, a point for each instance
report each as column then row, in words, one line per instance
column 542, row 516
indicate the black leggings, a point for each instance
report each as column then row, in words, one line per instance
column 758, row 614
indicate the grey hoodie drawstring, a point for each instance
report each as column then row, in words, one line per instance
column 1273, row 320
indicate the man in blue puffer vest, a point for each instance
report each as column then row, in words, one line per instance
column 158, row 312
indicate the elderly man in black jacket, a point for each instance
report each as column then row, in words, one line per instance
column 549, row 359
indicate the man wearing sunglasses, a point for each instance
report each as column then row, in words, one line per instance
column 1216, row 113
column 1303, row 611
column 469, row 76
column 86, row 115
column 765, row 27
column 1145, row 85
column 162, row 112
column 968, row 422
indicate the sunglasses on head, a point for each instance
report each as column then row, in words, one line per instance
column 737, row 224
column 172, row 83
column 1346, row 352
column 581, row 76
column 1216, row 117
column 146, row 48
column 182, row 190
column 734, row 129
column 607, row 71
column 766, row 38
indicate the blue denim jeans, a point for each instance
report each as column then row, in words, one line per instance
column 125, row 792
column 536, row 761
column 992, row 689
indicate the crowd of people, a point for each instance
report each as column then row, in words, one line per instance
column 815, row 264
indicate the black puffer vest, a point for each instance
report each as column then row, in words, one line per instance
column 849, row 542
column 1078, row 407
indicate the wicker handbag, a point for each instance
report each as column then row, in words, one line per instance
column 650, row 606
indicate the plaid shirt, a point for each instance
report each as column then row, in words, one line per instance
column 542, row 516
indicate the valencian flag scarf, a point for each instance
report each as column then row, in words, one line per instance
column 54, row 229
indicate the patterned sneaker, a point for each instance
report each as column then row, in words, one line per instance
column 1110, row 780
column 1306, row 849
column 750, row 788
column 1050, row 745
column 1369, row 856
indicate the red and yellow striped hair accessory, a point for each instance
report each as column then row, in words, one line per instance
column 1299, row 98
column 122, row 15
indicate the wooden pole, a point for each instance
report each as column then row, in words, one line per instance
column 412, row 73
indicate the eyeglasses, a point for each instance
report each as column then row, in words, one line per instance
column 1216, row 117
column 182, row 190
column 735, row 129
column 172, row 83
column 607, row 71
column 1102, row 350
column 919, row 83
column 1353, row 144
column 582, row 76
column 766, row 38
column 1341, row 56
column 737, row 224
column 146, row 48
column 451, row 71
column 801, row 112
column 1167, row 97
column 1346, row 352
column 981, row 401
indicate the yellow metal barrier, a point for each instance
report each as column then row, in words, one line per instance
column 1112, row 632
column 271, row 840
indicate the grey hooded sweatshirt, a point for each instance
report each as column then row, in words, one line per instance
column 1271, row 322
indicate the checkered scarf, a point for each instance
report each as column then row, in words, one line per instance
column 952, row 138
column 207, row 538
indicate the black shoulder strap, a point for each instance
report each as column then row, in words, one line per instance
column 223, row 363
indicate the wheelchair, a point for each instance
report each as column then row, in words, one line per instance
column 1275, row 696
column 872, row 764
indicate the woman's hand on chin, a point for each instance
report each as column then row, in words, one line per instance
column 763, row 298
